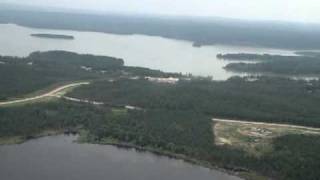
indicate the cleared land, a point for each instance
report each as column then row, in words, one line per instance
column 254, row 137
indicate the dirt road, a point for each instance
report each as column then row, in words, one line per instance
column 267, row 124
column 48, row 94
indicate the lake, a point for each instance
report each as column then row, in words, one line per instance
column 136, row 50
column 58, row 157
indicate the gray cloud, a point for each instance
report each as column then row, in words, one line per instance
column 287, row 10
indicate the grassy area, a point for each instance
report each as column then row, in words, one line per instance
column 256, row 139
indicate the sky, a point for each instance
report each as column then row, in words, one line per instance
column 280, row 10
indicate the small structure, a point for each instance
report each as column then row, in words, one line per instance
column 169, row 80
column 86, row 68
column 134, row 78
column 128, row 107
column 83, row 101
column 251, row 79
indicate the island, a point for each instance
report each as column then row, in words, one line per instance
column 244, row 57
column 53, row 36
column 306, row 64
column 196, row 44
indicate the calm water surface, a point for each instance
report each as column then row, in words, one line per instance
column 58, row 158
column 137, row 50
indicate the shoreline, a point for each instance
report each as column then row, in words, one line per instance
column 232, row 171
column 239, row 172
column 16, row 140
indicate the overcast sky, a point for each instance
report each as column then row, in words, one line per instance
column 283, row 10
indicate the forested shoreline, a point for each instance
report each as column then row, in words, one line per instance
column 185, row 134
column 168, row 118
column 200, row 31
column 39, row 70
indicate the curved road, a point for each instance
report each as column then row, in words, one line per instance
column 48, row 94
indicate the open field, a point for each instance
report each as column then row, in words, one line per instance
column 254, row 137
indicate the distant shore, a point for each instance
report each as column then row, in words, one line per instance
column 53, row 36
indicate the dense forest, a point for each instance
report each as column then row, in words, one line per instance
column 184, row 132
column 20, row 76
column 263, row 99
column 201, row 31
